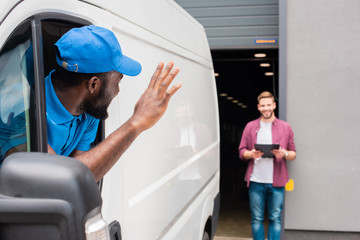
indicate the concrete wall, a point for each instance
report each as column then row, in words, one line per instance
column 322, row 75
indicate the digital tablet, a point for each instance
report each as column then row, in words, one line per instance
column 266, row 149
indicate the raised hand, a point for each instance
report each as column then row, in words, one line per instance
column 154, row 101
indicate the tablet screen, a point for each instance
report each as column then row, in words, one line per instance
column 266, row 149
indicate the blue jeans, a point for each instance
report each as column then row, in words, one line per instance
column 259, row 195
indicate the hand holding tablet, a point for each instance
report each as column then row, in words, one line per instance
column 266, row 149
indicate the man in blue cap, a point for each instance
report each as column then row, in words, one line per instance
column 79, row 91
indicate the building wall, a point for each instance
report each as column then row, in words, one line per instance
column 322, row 105
column 237, row 23
column 319, row 85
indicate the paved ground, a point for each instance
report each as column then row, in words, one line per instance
column 231, row 238
column 234, row 221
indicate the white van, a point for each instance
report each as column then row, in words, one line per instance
column 165, row 186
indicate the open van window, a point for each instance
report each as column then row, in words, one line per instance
column 16, row 92
column 17, row 87
column 52, row 30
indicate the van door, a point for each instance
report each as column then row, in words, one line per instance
column 17, row 93
column 33, row 203
column 25, row 59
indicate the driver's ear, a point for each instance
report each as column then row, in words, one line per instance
column 93, row 85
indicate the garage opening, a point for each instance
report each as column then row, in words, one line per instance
column 241, row 75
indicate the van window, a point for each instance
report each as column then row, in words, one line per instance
column 52, row 30
column 16, row 89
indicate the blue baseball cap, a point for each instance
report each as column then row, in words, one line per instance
column 93, row 49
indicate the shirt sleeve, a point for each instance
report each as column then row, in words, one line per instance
column 244, row 142
column 291, row 143
column 89, row 135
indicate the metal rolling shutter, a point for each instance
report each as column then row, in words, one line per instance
column 237, row 23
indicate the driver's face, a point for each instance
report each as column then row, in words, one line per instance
column 97, row 107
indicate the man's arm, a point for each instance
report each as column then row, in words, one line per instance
column 51, row 150
column 148, row 110
column 253, row 154
column 290, row 152
column 245, row 151
column 283, row 153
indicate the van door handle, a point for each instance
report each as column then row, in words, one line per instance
column 115, row 230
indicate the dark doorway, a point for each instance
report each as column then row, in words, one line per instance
column 240, row 79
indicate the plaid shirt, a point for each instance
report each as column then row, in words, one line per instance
column 282, row 134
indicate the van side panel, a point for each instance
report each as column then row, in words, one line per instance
column 166, row 19
column 159, row 186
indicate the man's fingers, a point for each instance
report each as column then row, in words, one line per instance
column 161, row 80
column 171, row 91
column 156, row 74
column 170, row 77
column 167, row 70
column 167, row 81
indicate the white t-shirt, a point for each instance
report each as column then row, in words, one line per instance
column 263, row 167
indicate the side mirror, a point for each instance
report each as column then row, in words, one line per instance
column 46, row 196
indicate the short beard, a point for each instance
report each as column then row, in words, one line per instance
column 99, row 112
column 269, row 116
column 92, row 106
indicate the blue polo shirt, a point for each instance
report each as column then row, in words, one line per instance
column 65, row 131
